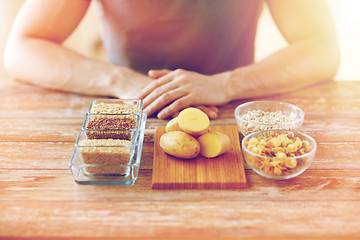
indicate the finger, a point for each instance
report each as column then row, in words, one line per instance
column 174, row 107
column 155, row 74
column 152, row 86
column 214, row 108
column 164, row 94
column 162, row 101
column 174, row 115
column 210, row 111
column 143, row 93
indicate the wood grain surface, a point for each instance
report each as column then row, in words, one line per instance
column 223, row 172
column 40, row 200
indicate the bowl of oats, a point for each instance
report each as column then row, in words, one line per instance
column 278, row 154
column 268, row 115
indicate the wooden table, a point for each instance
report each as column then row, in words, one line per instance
column 40, row 200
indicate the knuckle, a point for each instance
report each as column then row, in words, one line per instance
column 155, row 84
column 180, row 103
column 179, row 70
column 166, row 96
column 184, row 78
column 157, row 91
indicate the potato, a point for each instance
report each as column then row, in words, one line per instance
column 173, row 125
column 180, row 144
column 194, row 121
column 213, row 144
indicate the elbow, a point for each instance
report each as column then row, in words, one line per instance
column 15, row 60
column 331, row 57
column 10, row 60
column 326, row 61
column 9, row 65
column 334, row 61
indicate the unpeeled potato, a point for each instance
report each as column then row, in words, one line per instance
column 173, row 125
column 182, row 131
column 213, row 144
column 180, row 144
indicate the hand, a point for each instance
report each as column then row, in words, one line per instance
column 128, row 83
column 172, row 91
column 210, row 111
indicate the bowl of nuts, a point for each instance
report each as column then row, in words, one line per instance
column 278, row 154
column 268, row 115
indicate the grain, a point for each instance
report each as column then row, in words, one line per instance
column 119, row 121
column 258, row 120
column 103, row 143
column 107, row 123
column 110, row 154
column 121, row 124
column 113, row 108
column 110, row 134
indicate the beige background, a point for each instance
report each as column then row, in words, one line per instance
column 86, row 38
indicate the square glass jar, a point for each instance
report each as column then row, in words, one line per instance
column 106, row 157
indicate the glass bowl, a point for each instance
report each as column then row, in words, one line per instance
column 264, row 152
column 267, row 115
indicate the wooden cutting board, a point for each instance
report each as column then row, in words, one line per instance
column 223, row 172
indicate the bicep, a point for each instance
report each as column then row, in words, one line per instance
column 52, row 20
column 300, row 19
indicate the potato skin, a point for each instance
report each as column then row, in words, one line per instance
column 173, row 125
column 213, row 144
column 180, row 144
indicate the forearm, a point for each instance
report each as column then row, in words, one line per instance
column 301, row 64
column 50, row 65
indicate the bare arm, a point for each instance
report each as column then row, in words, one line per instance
column 34, row 53
column 312, row 56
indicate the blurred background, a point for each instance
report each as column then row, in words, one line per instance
column 86, row 39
